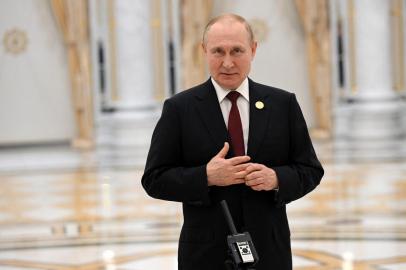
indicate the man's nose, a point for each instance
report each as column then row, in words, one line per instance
column 228, row 62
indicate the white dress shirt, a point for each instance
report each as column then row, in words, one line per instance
column 243, row 103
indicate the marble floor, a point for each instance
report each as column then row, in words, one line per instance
column 60, row 212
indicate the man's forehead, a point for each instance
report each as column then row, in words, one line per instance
column 227, row 25
column 228, row 33
column 226, row 45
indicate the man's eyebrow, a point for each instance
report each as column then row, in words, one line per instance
column 216, row 49
column 238, row 47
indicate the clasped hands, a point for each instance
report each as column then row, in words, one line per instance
column 238, row 170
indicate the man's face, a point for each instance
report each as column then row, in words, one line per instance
column 229, row 53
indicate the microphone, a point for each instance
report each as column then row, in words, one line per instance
column 240, row 245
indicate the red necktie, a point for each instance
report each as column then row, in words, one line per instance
column 235, row 126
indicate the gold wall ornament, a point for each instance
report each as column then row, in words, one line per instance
column 194, row 16
column 15, row 41
column 72, row 19
column 157, row 29
column 315, row 17
column 398, row 48
column 260, row 29
column 112, row 40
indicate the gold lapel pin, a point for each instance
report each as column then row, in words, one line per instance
column 259, row 105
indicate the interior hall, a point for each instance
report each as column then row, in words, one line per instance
column 82, row 85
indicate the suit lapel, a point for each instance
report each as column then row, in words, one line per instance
column 209, row 111
column 259, row 118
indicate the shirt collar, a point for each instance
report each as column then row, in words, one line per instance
column 222, row 93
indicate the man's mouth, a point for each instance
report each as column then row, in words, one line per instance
column 228, row 74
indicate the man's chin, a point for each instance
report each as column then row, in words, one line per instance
column 229, row 84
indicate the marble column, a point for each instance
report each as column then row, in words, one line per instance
column 134, row 65
column 130, row 104
column 369, row 113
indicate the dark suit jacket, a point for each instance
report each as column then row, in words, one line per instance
column 190, row 132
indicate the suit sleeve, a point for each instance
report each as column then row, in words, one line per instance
column 164, row 176
column 304, row 171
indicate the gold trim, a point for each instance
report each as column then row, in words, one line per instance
column 72, row 18
column 158, row 50
column 113, row 50
column 352, row 44
column 398, row 46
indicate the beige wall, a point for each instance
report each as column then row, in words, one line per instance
column 35, row 99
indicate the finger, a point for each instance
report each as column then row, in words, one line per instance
column 223, row 152
column 255, row 182
column 241, row 167
column 238, row 160
column 241, row 174
column 254, row 167
column 251, row 169
column 253, row 175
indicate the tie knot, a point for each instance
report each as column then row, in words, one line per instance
column 233, row 95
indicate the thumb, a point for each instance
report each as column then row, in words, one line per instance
column 223, row 152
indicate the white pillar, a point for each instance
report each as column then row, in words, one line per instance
column 373, row 50
column 127, row 109
column 134, row 65
column 369, row 119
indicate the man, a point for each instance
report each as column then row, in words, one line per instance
column 253, row 150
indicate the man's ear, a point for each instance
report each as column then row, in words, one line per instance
column 204, row 47
column 254, row 48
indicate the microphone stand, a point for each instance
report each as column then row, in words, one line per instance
column 240, row 246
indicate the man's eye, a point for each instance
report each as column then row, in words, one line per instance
column 238, row 50
column 218, row 51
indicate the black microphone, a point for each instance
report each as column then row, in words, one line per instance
column 240, row 245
